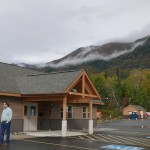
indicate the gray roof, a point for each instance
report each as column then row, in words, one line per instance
column 137, row 107
column 46, row 83
column 14, row 79
column 8, row 73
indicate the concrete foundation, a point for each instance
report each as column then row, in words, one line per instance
column 90, row 126
column 64, row 128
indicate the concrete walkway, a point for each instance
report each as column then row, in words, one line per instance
column 56, row 133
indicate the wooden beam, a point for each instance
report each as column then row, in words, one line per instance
column 88, row 89
column 42, row 99
column 83, row 101
column 45, row 95
column 10, row 94
column 83, row 85
column 81, row 94
column 64, row 107
column 73, row 84
column 92, row 84
column 78, row 101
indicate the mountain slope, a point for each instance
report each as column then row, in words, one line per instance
column 109, row 56
column 103, row 52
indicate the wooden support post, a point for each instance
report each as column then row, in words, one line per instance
column 91, row 109
column 64, row 121
column 64, row 107
column 83, row 86
column 90, row 120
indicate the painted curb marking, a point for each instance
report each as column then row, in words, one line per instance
column 121, row 147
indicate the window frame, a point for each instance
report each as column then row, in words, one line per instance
column 61, row 112
column 70, row 112
column 84, row 113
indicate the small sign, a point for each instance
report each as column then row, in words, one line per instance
column 121, row 147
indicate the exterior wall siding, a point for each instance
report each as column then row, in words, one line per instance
column 80, row 123
column 53, row 111
column 53, row 121
column 55, row 124
column 49, row 115
column 17, row 125
column 127, row 110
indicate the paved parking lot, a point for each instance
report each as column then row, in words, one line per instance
column 122, row 132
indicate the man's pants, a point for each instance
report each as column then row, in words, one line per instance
column 5, row 127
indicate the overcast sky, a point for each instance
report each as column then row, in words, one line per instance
column 39, row 31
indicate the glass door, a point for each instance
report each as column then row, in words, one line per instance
column 30, row 116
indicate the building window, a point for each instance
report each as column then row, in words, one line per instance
column 70, row 112
column 25, row 110
column 84, row 112
column 33, row 111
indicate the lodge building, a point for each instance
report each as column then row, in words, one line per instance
column 48, row 101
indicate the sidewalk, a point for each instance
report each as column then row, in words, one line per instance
column 56, row 133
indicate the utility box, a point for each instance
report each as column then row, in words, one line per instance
column 134, row 116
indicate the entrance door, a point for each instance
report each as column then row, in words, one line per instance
column 30, row 116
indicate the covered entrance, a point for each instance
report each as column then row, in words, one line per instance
column 30, row 116
column 65, row 99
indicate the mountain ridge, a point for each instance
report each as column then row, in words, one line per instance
column 102, row 52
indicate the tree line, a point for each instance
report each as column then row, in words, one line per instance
column 122, row 91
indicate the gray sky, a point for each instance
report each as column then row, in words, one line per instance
column 39, row 31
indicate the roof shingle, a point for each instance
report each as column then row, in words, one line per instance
column 14, row 79
column 46, row 83
column 8, row 73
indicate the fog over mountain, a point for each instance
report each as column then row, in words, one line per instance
column 104, row 52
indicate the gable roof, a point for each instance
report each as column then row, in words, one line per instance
column 46, row 83
column 83, row 86
column 23, row 81
column 137, row 107
column 8, row 73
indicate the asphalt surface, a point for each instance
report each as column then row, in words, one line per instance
column 123, row 132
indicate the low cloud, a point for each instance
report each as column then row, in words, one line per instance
column 79, row 58
column 36, row 31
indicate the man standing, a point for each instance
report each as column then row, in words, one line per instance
column 5, row 124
